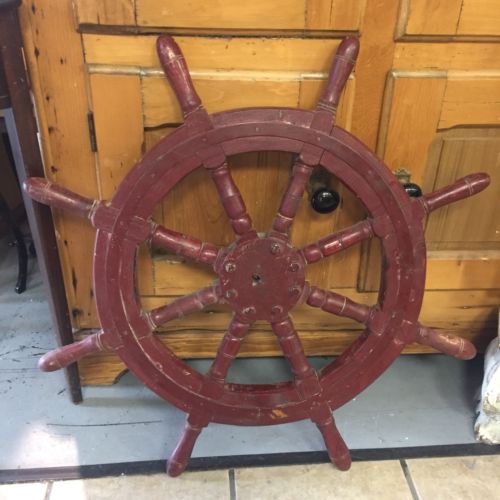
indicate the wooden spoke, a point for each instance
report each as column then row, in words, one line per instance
column 343, row 64
column 65, row 355
column 291, row 199
column 231, row 199
column 213, row 384
column 187, row 246
column 339, row 305
column 445, row 343
column 177, row 72
column 48, row 193
column 463, row 188
column 228, row 349
column 338, row 241
column 183, row 306
column 306, row 378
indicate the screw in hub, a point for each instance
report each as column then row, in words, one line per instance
column 294, row 267
column 230, row 267
column 276, row 309
column 248, row 311
column 275, row 248
column 231, row 294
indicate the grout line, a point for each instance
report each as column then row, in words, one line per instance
column 48, row 491
column 409, row 480
column 232, row 485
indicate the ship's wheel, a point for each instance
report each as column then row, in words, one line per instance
column 260, row 277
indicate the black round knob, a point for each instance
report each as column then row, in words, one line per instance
column 325, row 200
column 413, row 190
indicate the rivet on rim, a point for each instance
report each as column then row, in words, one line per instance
column 248, row 311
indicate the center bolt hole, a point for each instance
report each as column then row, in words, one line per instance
column 256, row 279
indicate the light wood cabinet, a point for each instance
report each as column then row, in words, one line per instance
column 425, row 96
column 473, row 18
column 218, row 15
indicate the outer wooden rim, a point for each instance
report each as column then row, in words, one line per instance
column 244, row 131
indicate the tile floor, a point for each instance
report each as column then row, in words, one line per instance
column 460, row 478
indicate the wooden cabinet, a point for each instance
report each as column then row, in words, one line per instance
column 233, row 15
column 459, row 18
column 425, row 96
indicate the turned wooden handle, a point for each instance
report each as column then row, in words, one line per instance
column 337, row 449
column 175, row 67
column 343, row 63
column 179, row 458
column 448, row 344
column 463, row 188
column 64, row 356
column 48, row 193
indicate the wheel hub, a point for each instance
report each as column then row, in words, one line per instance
column 262, row 278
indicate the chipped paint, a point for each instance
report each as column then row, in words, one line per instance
column 278, row 413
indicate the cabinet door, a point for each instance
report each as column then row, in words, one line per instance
column 432, row 129
column 442, row 125
column 241, row 72
column 107, row 75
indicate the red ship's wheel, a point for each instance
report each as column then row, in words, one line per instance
column 259, row 277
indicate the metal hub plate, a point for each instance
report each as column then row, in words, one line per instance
column 262, row 278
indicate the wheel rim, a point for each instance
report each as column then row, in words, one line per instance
column 156, row 175
column 208, row 140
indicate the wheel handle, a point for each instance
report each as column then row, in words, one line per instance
column 175, row 67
